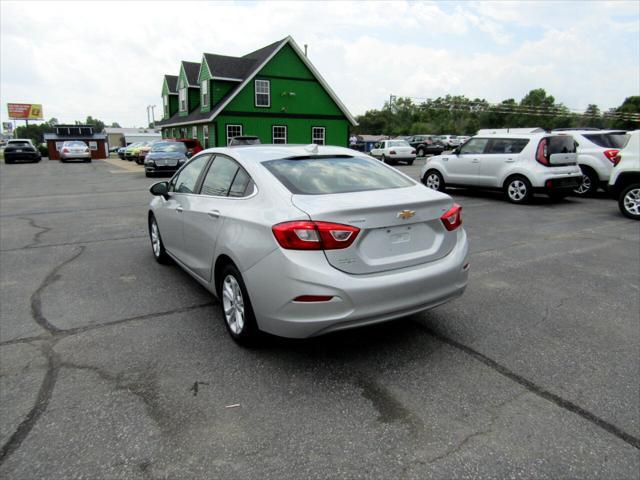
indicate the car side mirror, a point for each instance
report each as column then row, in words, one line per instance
column 456, row 151
column 189, row 154
column 160, row 189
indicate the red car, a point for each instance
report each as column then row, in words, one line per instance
column 192, row 144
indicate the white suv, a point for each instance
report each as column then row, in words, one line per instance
column 624, row 183
column 520, row 164
column 597, row 150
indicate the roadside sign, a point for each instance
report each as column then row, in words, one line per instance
column 25, row 111
column 7, row 127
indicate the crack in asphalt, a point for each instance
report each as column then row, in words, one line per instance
column 73, row 210
column 36, row 237
column 66, row 244
column 42, row 401
column 36, row 302
column 540, row 391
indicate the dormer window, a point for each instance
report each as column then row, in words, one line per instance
column 263, row 93
column 204, row 91
column 182, row 94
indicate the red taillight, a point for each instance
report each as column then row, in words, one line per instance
column 313, row 298
column 542, row 153
column 303, row 235
column 65, row 150
column 413, row 152
column 392, row 152
column 452, row 219
column 613, row 156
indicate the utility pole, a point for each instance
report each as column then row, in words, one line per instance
column 148, row 120
column 153, row 116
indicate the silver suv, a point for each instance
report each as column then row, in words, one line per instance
column 520, row 164
column 597, row 151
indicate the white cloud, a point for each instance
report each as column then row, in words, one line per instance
column 107, row 59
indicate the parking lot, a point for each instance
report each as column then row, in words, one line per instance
column 113, row 366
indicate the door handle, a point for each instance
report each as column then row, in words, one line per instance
column 475, row 160
column 510, row 160
column 213, row 213
column 179, row 209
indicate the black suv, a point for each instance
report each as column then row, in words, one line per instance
column 21, row 150
column 426, row 145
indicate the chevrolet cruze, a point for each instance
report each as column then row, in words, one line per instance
column 300, row 241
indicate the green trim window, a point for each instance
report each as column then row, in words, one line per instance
column 204, row 91
column 165, row 101
column 194, row 132
column 233, row 131
column 205, row 136
column 318, row 135
column 263, row 93
column 279, row 134
column 173, row 133
column 182, row 92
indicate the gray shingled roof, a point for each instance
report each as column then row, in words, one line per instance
column 191, row 69
column 172, row 83
column 229, row 67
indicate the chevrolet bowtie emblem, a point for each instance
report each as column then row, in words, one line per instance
column 406, row 214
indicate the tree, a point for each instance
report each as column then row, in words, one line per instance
column 592, row 117
column 94, row 121
column 629, row 106
column 115, row 125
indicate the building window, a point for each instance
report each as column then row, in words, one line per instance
column 173, row 133
column 233, row 131
column 183, row 99
column 317, row 135
column 165, row 101
column 279, row 134
column 263, row 93
column 205, row 136
column 204, row 90
column 194, row 132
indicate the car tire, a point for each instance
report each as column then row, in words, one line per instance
column 518, row 189
column 236, row 308
column 629, row 201
column 62, row 160
column 421, row 152
column 383, row 158
column 157, row 245
column 149, row 174
column 589, row 185
column 8, row 161
column 410, row 162
column 433, row 180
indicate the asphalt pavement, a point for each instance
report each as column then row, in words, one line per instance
column 115, row 367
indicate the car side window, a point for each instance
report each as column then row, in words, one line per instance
column 225, row 178
column 186, row 180
column 506, row 145
column 475, row 146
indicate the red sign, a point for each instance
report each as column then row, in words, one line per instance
column 25, row 111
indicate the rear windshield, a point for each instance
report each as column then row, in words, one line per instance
column 562, row 144
column 19, row 144
column 76, row 144
column 168, row 147
column 608, row 140
column 319, row 176
column 398, row 143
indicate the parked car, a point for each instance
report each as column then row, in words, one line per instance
column 392, row 151
column 75, row 150
column 114, row 149
column 165, row 157
column 450, row 141
column 121, row 151
column 294, row 246
column 462, row 139
column 597, row 150
column 426, row 145
column 244, row 140
column 518, row 164
column 142, row 151
column 192, row 144
column 130, row 149
column 21, row 149
column 624, row 183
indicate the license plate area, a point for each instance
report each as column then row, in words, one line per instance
column 389, row 242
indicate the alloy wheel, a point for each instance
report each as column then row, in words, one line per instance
column 631, row 201
column 585, row 186
column 233, row 304
column 433, row 181
column 155, row 238
column 517, row 190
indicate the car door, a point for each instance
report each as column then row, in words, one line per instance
column 170, row 214
column 204, row 215
column 463, row 168
column 378, row 149
column 500, row 155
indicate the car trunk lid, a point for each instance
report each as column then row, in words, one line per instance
column 399, row 227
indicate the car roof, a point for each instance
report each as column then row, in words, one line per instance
column 264, row 152
column 19, row 140
column 591, row 132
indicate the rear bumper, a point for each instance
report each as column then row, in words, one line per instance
column 358, row 300
column 75, row 156
column 557, row 184
column 150, row 168
column 21, row 155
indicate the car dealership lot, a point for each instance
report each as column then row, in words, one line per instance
column 113, row 366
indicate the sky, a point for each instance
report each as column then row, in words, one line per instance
column 107, row 59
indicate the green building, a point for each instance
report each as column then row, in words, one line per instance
column 274, row 93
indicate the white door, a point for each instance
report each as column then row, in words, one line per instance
column 464, row 168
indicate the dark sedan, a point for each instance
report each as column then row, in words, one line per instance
column 21, row 150
column 426, row 145
column 165, row 157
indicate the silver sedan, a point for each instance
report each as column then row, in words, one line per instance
column 300, row 241
column 75, row 150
